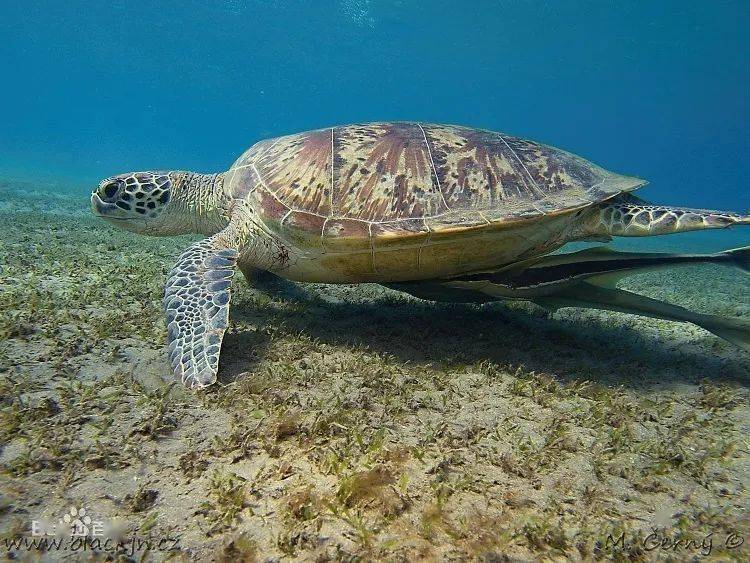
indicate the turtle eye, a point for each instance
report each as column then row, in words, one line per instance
column 110, row 190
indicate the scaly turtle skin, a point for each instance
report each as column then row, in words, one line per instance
column 415, row 206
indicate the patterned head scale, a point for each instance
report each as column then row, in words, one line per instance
column 134, row 199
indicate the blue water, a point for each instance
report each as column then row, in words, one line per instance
column 655, row 89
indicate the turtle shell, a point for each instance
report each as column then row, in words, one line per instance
column 358, row 187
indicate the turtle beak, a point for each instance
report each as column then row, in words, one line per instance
column 100, row 207
column 107, row 210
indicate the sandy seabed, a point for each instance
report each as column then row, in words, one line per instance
column 355, row 423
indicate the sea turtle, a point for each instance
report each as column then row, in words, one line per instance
column 442, row 212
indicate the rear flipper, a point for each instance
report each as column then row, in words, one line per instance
column 630, row 216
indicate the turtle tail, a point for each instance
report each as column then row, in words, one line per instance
column 629, row 216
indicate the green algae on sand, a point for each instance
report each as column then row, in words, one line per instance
column 356, row 422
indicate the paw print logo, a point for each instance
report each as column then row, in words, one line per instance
column 78, row 521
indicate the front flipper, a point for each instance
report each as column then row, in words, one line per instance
column 196, row 301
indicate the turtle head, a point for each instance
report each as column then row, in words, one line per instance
column 163, row 203
column 137, row 202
